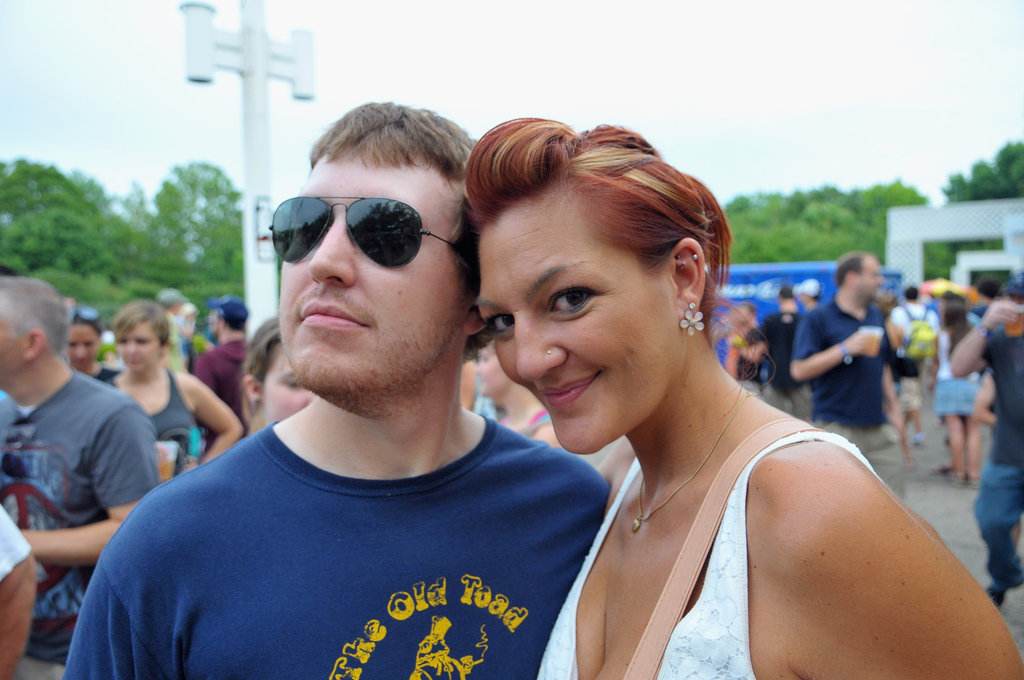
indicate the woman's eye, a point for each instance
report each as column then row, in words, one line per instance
column 499, row 323
column 571, row 300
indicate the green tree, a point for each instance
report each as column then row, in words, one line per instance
column 106, row 250
column 61, row 239
column 27, row 187
column 195, row 234
column 1001, row 178
column 820, row 224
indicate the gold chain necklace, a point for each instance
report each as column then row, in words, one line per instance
column 641, row 518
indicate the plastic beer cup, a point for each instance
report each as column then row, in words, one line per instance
column 167, row 458
column 876, row 339
column 1015, row 328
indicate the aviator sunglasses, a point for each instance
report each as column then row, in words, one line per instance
column 387, row 231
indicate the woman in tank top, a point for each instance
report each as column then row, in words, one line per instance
column 600, row 265
column 175, row 402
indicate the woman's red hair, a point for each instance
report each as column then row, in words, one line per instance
column 636, row 199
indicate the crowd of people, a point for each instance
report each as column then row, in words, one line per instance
column 920, row 337
column 319, row 498
column 916, row 356
column 84, row 439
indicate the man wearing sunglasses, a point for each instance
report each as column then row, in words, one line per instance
column 382, row 531
column 75, row 456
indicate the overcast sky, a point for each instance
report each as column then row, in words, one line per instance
column 747, row 96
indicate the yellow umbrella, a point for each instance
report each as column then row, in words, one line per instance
column 936, row 287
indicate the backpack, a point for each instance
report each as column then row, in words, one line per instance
column 921, row 343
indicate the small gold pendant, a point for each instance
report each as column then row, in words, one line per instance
column 636, row 524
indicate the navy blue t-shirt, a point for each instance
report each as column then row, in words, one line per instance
column 849, row 393
column 259, row 564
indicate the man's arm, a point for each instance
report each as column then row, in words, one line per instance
column 78, row 545
column 830, row 357
column 968, row 356
column 17, row 596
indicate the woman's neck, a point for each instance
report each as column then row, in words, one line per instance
column 142, row 376
column 673, row 440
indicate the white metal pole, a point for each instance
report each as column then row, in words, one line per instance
column 260, row 272
column 256, row 59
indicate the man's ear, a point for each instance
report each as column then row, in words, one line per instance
column 473, row 323
column 688, row 274
column 36, row 344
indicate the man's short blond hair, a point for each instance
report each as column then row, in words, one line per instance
column 391, row 135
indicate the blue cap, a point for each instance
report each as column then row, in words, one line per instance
column 1015, row 284
column 229, row 308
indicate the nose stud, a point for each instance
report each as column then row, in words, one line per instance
column 548, row 352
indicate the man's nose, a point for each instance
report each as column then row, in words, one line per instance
column 334, row 257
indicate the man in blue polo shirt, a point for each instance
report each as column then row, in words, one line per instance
column 842, row 348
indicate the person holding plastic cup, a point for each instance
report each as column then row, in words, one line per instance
column 997, row 343
column 841, row 347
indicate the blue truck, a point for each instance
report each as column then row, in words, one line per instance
column 759, row 283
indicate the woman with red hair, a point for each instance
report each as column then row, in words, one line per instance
column 600, row 264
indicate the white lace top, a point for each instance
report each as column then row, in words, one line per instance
column 712, row 641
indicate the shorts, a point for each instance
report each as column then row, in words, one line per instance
column 910, row 394
column 955, row 396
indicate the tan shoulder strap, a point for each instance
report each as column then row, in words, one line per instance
column 681, row 581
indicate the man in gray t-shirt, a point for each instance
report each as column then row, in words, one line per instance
column 75, row 456
column 997, row 341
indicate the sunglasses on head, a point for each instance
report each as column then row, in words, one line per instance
column 387, row 231
column 83, row 313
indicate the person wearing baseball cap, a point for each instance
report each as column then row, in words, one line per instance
column 221, row 367
column 808, row 292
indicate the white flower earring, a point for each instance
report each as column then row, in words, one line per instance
column 691, row 321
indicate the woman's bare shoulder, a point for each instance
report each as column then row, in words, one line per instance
column 815, row 494
column 837, row 558
column 194, row 391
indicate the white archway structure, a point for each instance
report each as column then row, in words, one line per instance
column 908, row 228
column 968, row 261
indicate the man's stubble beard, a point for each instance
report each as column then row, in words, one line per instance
column 377, row 387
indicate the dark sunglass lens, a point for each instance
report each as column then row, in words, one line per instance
column 387, row 231
column 298, row 225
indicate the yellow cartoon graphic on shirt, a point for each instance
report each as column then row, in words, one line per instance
column 434, row 660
